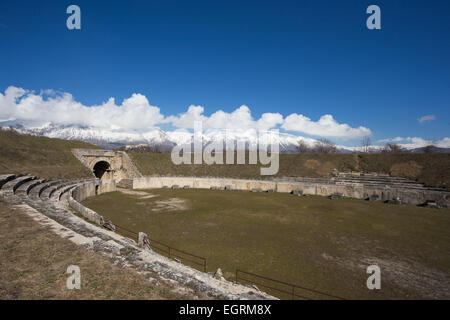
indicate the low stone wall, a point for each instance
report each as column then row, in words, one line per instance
column 87, row 190
column 414, row 196
column 93, row 188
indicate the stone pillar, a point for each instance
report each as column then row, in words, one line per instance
column 144, row 241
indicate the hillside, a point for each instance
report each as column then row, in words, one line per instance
column 52, row 158
column 431, row 169
column 43, row 157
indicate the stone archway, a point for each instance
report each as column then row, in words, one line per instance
column 102, row 170
column 108, row 164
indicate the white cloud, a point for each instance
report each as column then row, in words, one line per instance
column 417, row 142
column 239, row 119
column 186, row 120
column 444, row 143
column 135, row 113
column 429, row 117
column 326, row 126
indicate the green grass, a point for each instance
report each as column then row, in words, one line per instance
column 40, row 156
column 433, row 169
column 310, row 241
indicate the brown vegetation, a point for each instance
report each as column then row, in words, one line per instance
column 410, row 170
column 43, row 157
column 34, row 261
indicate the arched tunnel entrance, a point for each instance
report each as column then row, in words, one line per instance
column 102, row 170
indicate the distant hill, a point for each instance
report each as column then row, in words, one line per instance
column 52, row 158
column 40, row 156
column 164, row 141
column 430, row 149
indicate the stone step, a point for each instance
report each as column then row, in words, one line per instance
column 12, row 185
column 47, row 193
column 55, row 196
column 4, row 178
column 27, row 186
column 37, row 190
column 65, row 195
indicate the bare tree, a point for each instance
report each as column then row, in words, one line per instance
column 142, row 148
column 302, row 147
column 392, row 148
column 324, row 146
column 366, row 143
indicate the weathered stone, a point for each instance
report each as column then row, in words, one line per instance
column 373, row 197
column 255, row 287
column 336, row 196
column 109, row 225
column 256, row 190
column 175, row 186
column 349, row 185
column 394, row 201
column 107, row 164
column 228, row 187
column 430, row 204
column 297, row 192
column 218, row 274
column 144, row 241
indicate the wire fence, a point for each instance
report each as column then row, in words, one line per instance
column 172, row 252
column 280, row 289
column 283, row 289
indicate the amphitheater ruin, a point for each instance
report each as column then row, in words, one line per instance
column 54, row 203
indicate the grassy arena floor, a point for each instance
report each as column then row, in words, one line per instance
column 310, row 241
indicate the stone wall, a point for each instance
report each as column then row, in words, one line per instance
column 120, row 165
column 412, row 195
column 87, row 190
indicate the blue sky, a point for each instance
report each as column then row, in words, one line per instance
column 289, row 57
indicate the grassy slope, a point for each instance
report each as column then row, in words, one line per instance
column 431, row 169
column 312, row 241
column 43, row 157
column 34, row 261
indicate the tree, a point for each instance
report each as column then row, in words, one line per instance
column 392, row 148
column 366, row 143
column 302, row 147
column 324, row 146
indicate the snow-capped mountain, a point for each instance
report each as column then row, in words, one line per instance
column 105, row 138
column 113, row 138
